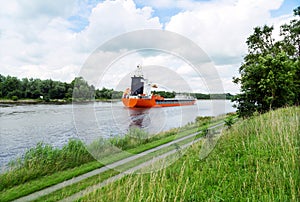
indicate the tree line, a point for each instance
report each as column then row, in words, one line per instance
column 79, row 89
column 270, row 72
column 14, row 88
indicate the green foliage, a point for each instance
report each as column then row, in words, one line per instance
column 105, row 93
column 229, row 121
column 204, row 130
column 256, row 160
column 79, row 89
column 14, row 98
column 203, row 119
column 136, row 137
column 82, row 90
column 270, row 73
column 133, row 138
column 201, row 96
column 44, row 160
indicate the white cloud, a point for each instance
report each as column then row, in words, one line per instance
column 31, row 33
column 37, row 40
column 112, row 18
column 221, row 28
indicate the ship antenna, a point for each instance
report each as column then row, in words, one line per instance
column 139, row 71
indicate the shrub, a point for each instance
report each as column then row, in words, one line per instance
column 14, row 98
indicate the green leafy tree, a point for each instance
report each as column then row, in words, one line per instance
column 105, row 93
column 25, row 87
column 57, row 91
column 291, row 34
column 270, row 72
column 35, row 88
column 81, row 89
column 11, row 87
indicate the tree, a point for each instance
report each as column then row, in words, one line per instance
column 11, row 87
column 57, row 91
column 35, row 88
column 291, row 34
column 270, row 72
column 82, row 90
column 2, row 79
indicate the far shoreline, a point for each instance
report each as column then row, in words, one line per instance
column 58, row 102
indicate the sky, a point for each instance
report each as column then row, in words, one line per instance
column 54, row 39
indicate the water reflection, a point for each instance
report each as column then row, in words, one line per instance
column 139, row 118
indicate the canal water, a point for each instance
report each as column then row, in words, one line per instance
column 23, row 126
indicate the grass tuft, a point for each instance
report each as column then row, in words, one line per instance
column 44, row 160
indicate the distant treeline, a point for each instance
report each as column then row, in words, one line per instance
column 195, row 95
column 79, row 89
column 14, row 88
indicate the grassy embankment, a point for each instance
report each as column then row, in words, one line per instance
column 256, row 160
column 85, row 184
column 44, row 165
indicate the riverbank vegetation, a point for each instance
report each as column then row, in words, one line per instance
column 270, row 73
column 45, row 165
column 44, row 160
column 30, row 91
column 257, row 159
column 12, row 88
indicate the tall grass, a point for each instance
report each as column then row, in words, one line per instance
column 255, row 160
column 44, row 160
column 136, row 136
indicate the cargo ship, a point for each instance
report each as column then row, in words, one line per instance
column 140, row 96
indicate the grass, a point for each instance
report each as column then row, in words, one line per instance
column 44, row 165
column 46, row 181
column 69, row 190
column 255, row 160
column 44, row 160
column 72, row 189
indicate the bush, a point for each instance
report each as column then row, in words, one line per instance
column 229, row 121
column 204, row 119
column 14, row 98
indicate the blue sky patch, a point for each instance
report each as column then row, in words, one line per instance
column 287, row 7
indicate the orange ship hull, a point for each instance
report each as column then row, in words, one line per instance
column 155, row 101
